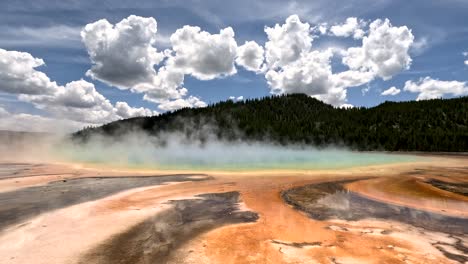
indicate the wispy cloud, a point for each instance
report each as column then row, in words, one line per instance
column 52, row 36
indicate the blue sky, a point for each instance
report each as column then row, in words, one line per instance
column 50, row 30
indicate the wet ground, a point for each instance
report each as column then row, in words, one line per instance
column 153, row 240
column 20, row 205
column 459, row 188
column 331, row 200
column 12, row 170
column 412, row 213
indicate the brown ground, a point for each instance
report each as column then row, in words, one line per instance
column 282, row 234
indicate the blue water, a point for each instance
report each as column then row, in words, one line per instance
column 231, row 157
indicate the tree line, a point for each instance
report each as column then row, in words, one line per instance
column 429, row 125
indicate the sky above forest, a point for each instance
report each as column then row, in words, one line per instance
column 69, row 64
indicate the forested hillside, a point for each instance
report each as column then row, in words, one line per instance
column 432, row 125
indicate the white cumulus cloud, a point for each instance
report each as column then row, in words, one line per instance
column 77, row 94
column 391, row 91
column 203, row 55
column 428, row 88
column 321, row 28
column 350, row 78
column 288, row 61
column 123, row 110
column 167, row 84
column 191, row 101
column 310, row 74
column 18, row 74
column 287, row 42
column 123, row 54
column 76, row 101
column 250, row 56
column 385, row 51
column 352, row 27
column 294, row 67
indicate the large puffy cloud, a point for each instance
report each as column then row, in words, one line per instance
column 351, row 78
column 168, row 92
column 429, row 88
column 310, row 74
column 294, row 68
column 292, row 65
column 123, row 55
column 385, row 51
column 391, row 91
column 18, row 74
column 352, row 27
column 77, row 101
column 77, row 94
column 288, row 61
column 336, row 94
column 80, row 101
column 167, row 84
column 203, row 55
column 287, row 42
column 250, row 56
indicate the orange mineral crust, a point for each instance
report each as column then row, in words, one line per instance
column 284, row 235
column 417, row 191
column 112, row 216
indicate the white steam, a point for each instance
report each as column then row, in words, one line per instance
column 177, row 152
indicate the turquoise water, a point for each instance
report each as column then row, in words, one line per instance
column 231, row 157
column 286, row 161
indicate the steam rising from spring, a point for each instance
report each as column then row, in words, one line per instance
column 175, row 151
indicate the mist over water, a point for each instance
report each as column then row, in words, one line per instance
column 177, row 153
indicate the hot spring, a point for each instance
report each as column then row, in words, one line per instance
column 221, row 156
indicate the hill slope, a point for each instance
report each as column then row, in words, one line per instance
column 432, row 125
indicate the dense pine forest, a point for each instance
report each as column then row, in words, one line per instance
column 431, row 125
